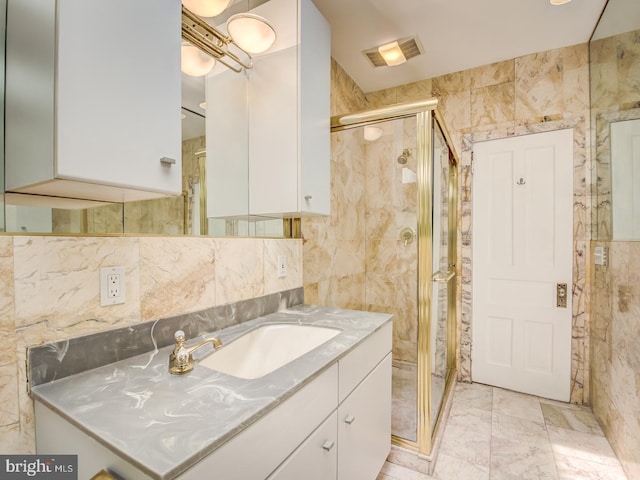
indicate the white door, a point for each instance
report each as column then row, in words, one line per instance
column 522, row 249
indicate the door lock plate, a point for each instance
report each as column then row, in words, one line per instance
column 561, row 295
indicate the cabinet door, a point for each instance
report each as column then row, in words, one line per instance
column 289, row 114
column 316, row 458
column 364, row 426
column 273, row 134
column 118, row 93
column 315, row 112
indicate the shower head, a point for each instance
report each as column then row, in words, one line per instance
column 406, row 153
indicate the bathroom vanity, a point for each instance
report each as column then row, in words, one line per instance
column 325, row 415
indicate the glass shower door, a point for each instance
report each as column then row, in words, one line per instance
column 391, row 254
column 443, row 271
column 409, row 252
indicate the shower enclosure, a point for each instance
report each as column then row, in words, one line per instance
column 410, row 242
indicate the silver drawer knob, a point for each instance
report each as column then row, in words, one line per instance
column 167, row 162
column 328, row 445
column 349, row 420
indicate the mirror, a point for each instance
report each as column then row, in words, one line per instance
column 614, row 52
column 179, row 215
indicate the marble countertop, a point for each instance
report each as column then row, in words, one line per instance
column 163, row 424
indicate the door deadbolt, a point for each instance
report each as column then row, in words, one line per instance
column 561, row 295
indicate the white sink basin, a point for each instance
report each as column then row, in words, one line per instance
column 267, row 348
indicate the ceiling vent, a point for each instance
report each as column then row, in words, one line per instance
column 410, row 47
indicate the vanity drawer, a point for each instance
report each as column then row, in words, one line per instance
column 256, row 451
column 359, row 362
column 316, row 458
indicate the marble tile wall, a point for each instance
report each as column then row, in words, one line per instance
column 615, row 96
column 615, row 324
column 49, row 291
column 354, row 258
column 534, row 93
column 615, row 343
column 390, row 205
column 334, row 246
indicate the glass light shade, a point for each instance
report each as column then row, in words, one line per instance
column 558, row 2
column 206, row 8
column 195, row 63
column 392, row 54
column 251, row 32
column 372, row 133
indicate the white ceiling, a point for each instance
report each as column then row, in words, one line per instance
column 455, row 34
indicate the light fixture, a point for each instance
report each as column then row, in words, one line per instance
column 558, row 2
column 203, row 105
column 372, row 133
column 206, row 8
column 182, row 116
column 251, row 33
column 195, row 63
column 392, row 54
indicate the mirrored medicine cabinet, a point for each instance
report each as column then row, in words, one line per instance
column 183, row 214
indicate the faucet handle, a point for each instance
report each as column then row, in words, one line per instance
column 179, row 336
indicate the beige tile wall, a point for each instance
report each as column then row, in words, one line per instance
column 49, row 290
column 615, row 324
column 615, row 341
column 538, row 92
column 334, row 255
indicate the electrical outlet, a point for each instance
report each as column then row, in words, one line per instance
column 282, row 266
column 112, row 286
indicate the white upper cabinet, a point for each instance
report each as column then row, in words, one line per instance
column 93, row 98
column 289, row 114
column 288, row 120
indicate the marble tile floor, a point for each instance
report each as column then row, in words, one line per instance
column 496, row 434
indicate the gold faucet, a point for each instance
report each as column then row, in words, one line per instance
column 181, row 359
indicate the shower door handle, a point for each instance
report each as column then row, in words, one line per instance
column 443, row 276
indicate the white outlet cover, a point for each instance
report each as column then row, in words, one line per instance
column 282, row 266
column 105, row 300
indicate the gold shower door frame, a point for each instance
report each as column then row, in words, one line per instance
column 427, row 118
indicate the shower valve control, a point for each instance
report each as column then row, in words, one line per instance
column 407, row 235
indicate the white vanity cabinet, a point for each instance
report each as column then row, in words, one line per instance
column 336, row 427
column 364, row 426
column 362, row 441
column 93, row 98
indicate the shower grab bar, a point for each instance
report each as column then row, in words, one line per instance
column 443, row 276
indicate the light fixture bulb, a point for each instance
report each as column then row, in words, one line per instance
column 251, row 33
column 194, row 62
column 392, row 54
column 558, row 2
column 206, row 8
column 372, row 133
column 203, row 105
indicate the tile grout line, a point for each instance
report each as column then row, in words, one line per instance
column 546, row 429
